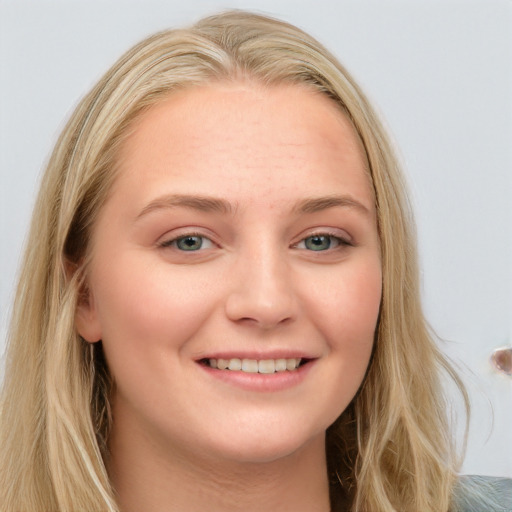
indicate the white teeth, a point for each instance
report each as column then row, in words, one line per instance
column 267, row 366
column 222, row 364
column 291, row 364
column 255, row 366
column 235, row 364
column 250, row 365
column 280, row 365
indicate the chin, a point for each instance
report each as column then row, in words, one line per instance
column 267, row 446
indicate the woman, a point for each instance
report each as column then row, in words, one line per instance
column 219, row 306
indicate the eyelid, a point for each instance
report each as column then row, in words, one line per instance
column 169, row 240
column 339, row 234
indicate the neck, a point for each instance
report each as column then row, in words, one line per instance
column 148, row 478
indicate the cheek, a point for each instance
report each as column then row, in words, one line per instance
column 148, row 314
column 145, row 306
column 347, row 306
column 349, row 319
column 361, row 299
column 347, row 315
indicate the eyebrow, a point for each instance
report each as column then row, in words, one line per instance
column 202, row 203
column 317, row 204
column 216, row 205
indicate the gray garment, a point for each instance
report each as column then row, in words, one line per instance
column 476, row 493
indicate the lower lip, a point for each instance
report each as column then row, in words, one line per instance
column 262, row 382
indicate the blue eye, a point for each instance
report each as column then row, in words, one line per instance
column 318, row 242
column 321, row 242
column 189, row 243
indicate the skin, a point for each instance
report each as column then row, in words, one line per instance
column 182, row 438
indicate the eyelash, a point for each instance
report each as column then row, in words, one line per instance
column 339, row 242
column 172, row 243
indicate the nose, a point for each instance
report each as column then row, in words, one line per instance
column 262, row 292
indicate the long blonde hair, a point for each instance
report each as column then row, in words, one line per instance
column 391, row 450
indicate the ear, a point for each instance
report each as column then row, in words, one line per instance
column 86, row 318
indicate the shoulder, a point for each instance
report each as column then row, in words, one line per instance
column 475, row 493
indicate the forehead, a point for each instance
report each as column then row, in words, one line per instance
column 248, row 105
column 243, row 135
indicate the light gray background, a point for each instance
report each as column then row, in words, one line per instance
column 440, row 72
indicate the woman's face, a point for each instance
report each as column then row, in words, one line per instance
column 241, row 233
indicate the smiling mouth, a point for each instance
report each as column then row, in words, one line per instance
column 265, row 366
